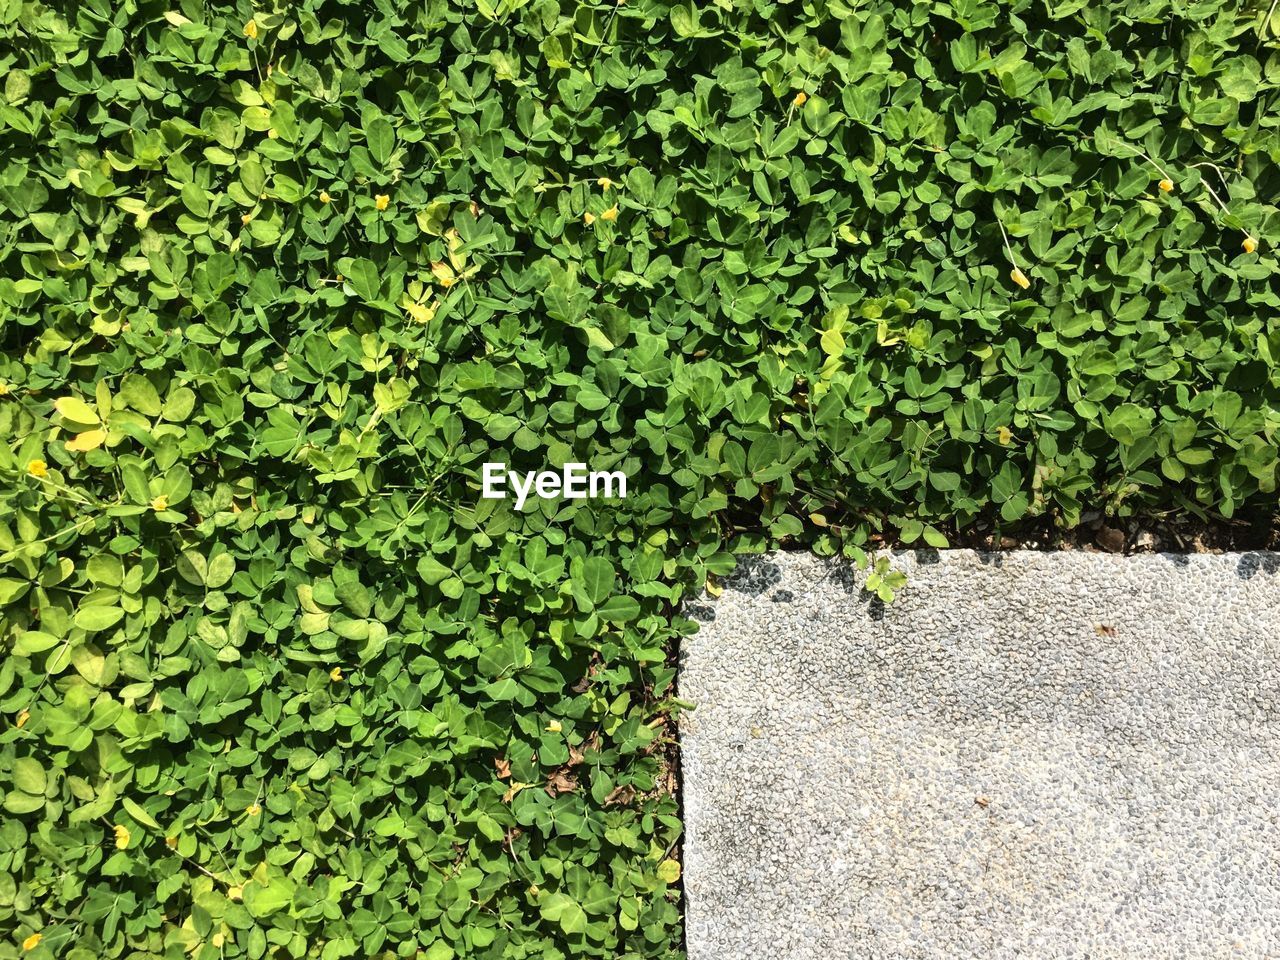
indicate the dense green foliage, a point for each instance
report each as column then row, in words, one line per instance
column 276, row 680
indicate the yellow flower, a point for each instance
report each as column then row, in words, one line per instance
column 171, row 843
column 554, row 726
column 122, row 837
column 324, row 196
column 253, row 809
column 381, row 201
column 23, row 717
column 800, row 99
column 38, row 468
column 160, row 503
column 1166, row 185
column 336, row 674
column 421, row 312
column 4, row 389
column 611, row 214
column 1019, row 278
column 588, row 218
column 444, row 273
column 32, row 941
column 246, row 218
column 604, row 183
column 1249, row 244
column 1005, row 435
column 251, row 29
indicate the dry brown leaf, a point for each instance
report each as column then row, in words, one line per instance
column 561, row 782
column 623, row 794
column 513, row 790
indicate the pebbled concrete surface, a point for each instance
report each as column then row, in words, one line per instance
column 1042, row 755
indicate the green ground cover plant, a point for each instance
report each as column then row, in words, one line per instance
column 277, row 280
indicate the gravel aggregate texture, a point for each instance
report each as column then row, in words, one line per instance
column 1048, row 755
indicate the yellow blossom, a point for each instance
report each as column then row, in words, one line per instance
column 1249, row 245
column 122, row 837
column 611, row 214
column 381, row 201
column 1005, row 435
column 444, row 273
column 253, row 809
column 324, row 196
column 1166, row 185
column 38, row 468
column 604, row 183
column 1019, row 278
column 171, row 843
column 336, row 674
column 554, row 726
column 251, row 29
column 160, row 503
column 23, row 717
column 246, row 218
column 4, row 389
column 800, row 99
column 421, row 312
column 32, row 941
column 588, row 218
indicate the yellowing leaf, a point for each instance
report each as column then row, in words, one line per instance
column 457, row 258
column 89, row 440
column 76, row 410
column 669, row 871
